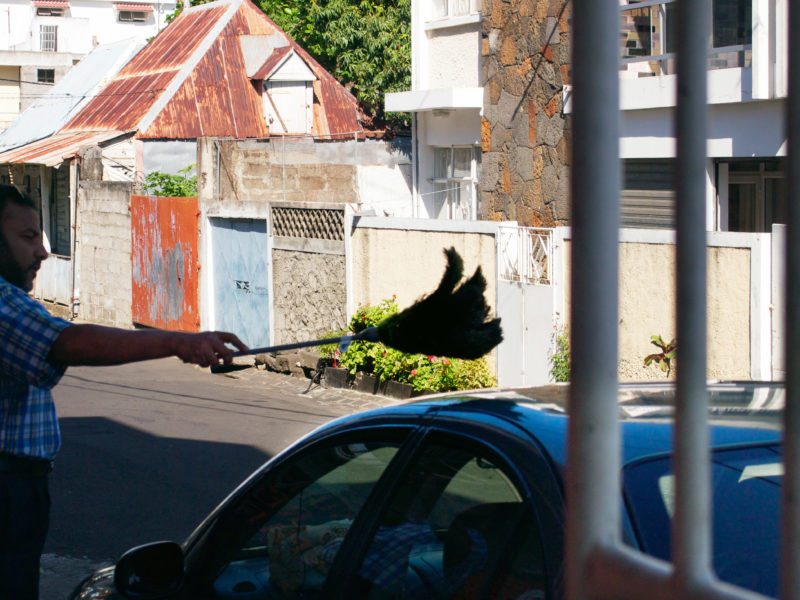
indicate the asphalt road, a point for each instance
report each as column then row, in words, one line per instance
column 150, row 448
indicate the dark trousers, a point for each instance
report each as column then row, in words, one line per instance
column 24, row 518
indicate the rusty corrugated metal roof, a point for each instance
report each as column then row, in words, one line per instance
column 54, row 150
column 191, row 81
column 273, row 60
column 133, row 6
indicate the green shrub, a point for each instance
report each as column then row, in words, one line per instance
column 560, row 359
column 434, row 373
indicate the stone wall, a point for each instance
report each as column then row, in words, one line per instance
column 103, row 252
column 309, row 295
column 525, row 47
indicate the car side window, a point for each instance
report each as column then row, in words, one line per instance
column 457, row 526
column 288, row 529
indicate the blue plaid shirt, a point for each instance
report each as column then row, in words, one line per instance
column 28, row 423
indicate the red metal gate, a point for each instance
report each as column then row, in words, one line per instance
column 165, row 267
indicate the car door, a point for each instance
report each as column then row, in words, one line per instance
column 462, row 521
column 278, row 538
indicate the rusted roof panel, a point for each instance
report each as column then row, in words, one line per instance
column 122, row 103
column 131, row 94
column 134, row 6
column 51, row 3
column 273, row 60
column 176, row 43
column 251, row 19
column 216, row 100
column 54, row 150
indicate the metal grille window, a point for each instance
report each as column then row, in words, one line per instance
column 46, row 75
column 48, row 38
column 310, row 223
column 456, row 172
column 132, row 15
column 455, row 8
column 49, row 12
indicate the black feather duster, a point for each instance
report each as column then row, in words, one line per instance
column 448, row 322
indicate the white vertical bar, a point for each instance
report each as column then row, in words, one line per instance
column 691, row 526
column 593, row 477
column 762, row 56
column 790, row 566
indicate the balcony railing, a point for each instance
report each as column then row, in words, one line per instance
column 648, row 40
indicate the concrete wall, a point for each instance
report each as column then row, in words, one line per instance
column 738, row 292
column 103, row 253
column 405, row 257
column 365, row 174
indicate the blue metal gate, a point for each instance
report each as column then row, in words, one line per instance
column 240, row 276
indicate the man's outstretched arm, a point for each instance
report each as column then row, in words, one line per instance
column 86, row 344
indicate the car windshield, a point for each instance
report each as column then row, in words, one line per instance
column 746, row 499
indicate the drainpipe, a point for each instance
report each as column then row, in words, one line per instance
column 75, row 301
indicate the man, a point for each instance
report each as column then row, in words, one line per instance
column 35, row 350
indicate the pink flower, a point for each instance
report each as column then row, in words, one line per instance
column 413, row 372
column 383, row 354
column 394, row 296
column 445, row 361
column 430, row 357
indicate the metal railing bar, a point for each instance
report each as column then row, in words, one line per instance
column 593, row 477
column 790, row 542
column 669, row 55
column 624, row 574
column 691, row 526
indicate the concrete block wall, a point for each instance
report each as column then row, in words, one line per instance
column 525, row 46
column 103, row 253
column 244, row 175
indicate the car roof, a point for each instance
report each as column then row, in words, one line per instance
column 740, row 413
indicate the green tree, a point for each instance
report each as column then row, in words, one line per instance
column 364, row 44
column 157, row 183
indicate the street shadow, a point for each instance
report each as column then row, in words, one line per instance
column 115, row 487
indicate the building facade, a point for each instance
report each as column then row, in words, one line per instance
column 43, row 39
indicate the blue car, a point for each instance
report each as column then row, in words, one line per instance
column 461, row 496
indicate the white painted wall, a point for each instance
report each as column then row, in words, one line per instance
column 9, row 95
column 454, row 55
column 386, row 189
column 734, row 130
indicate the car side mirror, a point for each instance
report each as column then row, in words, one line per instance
column 150, row 572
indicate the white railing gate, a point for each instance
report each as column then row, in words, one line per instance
column 598, row 564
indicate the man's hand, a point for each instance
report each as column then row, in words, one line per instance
column 207, row 348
